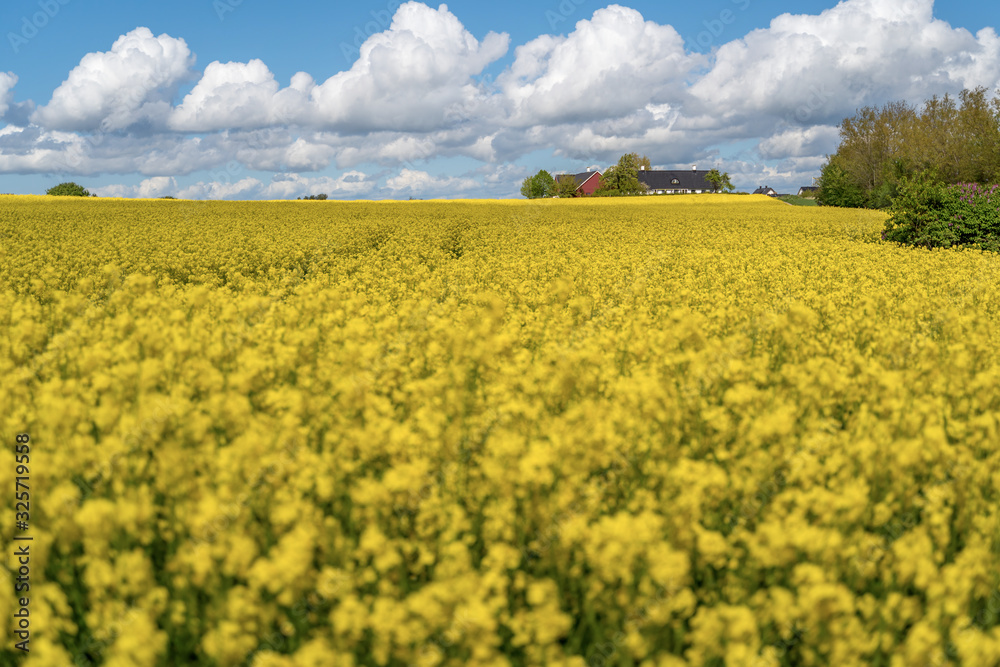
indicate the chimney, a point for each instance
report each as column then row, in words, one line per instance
column 642, row 167
column 694, row 168
column 588, row 170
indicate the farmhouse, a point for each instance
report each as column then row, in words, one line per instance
column 764, row 190
column 586, row 182
column 677, row 182
column 808, row 191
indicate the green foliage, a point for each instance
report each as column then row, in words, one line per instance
column 68, row 190
column 931, row 214
column 979, row 223
column 924, row 213
column 565, row 187
column 958, row 139
column 539, row 186
column 622, row 180
column 836, row 188
column 719, row 181
column 320, row 197
column 882, row 196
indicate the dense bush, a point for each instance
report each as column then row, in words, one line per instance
column 68, row 190
column 933, row 215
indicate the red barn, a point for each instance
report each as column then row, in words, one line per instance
column 586, row 182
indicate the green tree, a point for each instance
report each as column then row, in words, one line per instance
column 68, row 190
column 874, row 141
column 622, row 179
column 719, row 181
column 955, row 138
column 565, row 186
column 539, row 186
column 959, row 139
column 936, row 143
column 837, row 188
column 979, row 127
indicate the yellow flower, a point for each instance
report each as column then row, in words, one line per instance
column 685, row 430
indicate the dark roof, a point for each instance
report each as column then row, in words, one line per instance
column 664, row 180
column 809, row 188
column 763, row 190
column 580, row 178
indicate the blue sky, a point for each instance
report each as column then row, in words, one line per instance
column 246, row 99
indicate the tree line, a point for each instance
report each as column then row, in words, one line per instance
column 619, row 180
column 948, row 140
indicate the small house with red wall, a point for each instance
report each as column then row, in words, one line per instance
column 586, row 182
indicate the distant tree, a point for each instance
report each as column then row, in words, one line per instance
column 727, row 184
column 68, row 190
column 622, row 179
column 961, row 142
column 719, row 181
column 539, row 186
column 837, row 188
column 321, row 197
column 956, row 139
column 565, row 186
column 874, row 140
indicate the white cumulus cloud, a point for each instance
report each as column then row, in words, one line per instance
column 244, row 188
column 228, row 96
column 816, row 68
column 415, row 76
column 801, row 141
column 242, row 96
column 150, row 188
column 352, row 184
column 420, row 182
column 611, row 65
column 113, row 90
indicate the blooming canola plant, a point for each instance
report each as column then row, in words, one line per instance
column 695, row 430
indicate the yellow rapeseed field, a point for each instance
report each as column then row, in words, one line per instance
column 705, row 430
